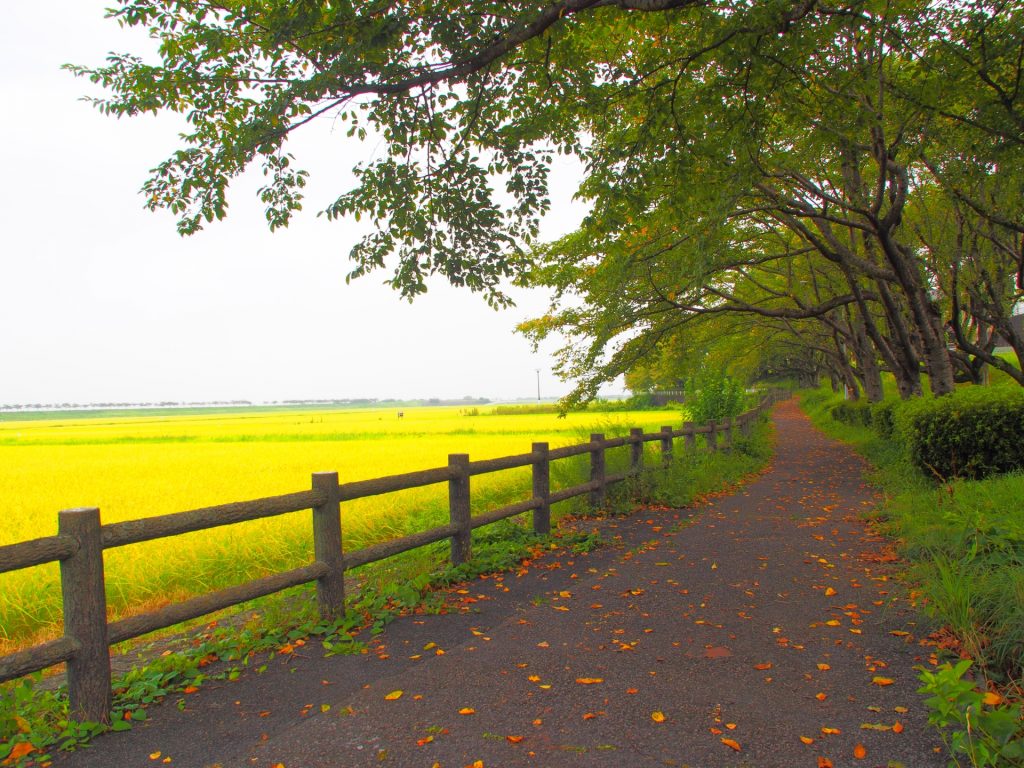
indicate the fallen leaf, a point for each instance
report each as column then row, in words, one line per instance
column 820, row 696
column 765, row 665
column 658, row 717
column 824, row 762
column 883, row 681
column 731, row 744
column 897, row 727
column 393, row 696
column 589, row 680
column 514, row 739
column 467, row 711
column 824, row 667
column 155, row 755
column 719, row 652
column 829, row 592
column 992, row 699
column 860, row 752
column 189, row 689
column 632, row 691
column 806, row 739
column 831, row 731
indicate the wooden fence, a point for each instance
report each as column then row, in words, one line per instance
column 81, row 539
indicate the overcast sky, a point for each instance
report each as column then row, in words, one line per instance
column 103, row 301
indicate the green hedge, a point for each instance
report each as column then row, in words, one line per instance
column 972, row 433
column 854, row 412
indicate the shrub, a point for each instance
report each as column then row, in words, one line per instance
column 852, row 412
column 883, row 416
column 972, row 433
column 718, row 397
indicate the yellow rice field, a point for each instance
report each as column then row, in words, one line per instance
column 137, row 466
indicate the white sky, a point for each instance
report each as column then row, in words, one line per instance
column 101, row 300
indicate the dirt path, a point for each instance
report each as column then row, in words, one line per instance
column 717, row 636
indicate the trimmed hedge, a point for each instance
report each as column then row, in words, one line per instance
column 853, row 412
column 974, row 432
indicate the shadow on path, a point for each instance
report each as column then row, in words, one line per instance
column 746, row 623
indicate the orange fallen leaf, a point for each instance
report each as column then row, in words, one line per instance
column 820, row 696
column 860, row 752
column 831, row 731
column 189, row 689
column 658, row 717
column 806, row 739
column 829, row 592
column 514, row 739
column 467, row 711
column 19, row 750
column 824, row 667
column 832, row 623
column 897, row 727
column 393, row 696
column 824, row 762
column 424, row 741
column 589, row 680
column 155, row 755
column 882, row 680
column 632, row 691
column 538, row 722
column 476, row 764
column 765, row 665
column 731, row 744
column 534, row 678
column 992, row 698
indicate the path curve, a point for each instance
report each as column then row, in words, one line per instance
column 747, row 623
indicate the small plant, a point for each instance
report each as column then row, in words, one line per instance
column 974, row 724
column 717, row 397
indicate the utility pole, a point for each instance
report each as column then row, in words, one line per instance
column 538, row 384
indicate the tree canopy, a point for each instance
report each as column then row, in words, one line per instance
column 837, row 187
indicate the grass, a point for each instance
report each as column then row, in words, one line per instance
column 133, row 466
column 964, row 541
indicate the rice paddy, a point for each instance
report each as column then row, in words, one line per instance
column 134, row 466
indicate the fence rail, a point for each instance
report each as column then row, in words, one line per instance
column 81, row 539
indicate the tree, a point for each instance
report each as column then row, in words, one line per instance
column 744, row 159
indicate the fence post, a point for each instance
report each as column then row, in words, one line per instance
column 85, row 617
column 327, row 547
column 712, row 436
column 666, row 445
column 691, row 438
column 541, row 489
column 727, row 424
column 636, row 450
column 744, row 420
column 458, row 507
column 597, row 473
